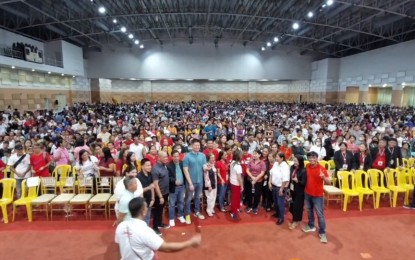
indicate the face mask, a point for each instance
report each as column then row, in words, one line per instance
column 295, row 143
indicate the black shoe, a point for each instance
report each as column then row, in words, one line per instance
column 164, row 226
column 158, row 232
column 275, row 215
column 279, row 222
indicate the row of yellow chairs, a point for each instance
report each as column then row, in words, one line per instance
column 70, row 195
column 372, row 183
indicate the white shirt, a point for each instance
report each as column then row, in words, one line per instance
column 279, row 173
column 120, row 188
column 321, row 151
column 79, row 127
column 138, row 150
column 137, row 240
column 105, row 137
column 88, row 166
column 236, row 169
column 23, row 165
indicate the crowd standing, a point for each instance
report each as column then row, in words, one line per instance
column 247, row 156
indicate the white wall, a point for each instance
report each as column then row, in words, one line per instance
column 73, row 60
column 196, row 61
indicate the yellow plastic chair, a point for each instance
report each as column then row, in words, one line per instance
column 306, row 163
column 28, row 195
column 362, row 186
column 348, row 189
column 411, row 162
column 332, row 164
column 8, row 191
column 404, row 180
column 405, row 162
column 8, row 172
column 325, row 164
column 392, row 177
column 377, row 184
column 61, row 172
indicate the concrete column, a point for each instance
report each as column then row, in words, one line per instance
column 95, row 91
column 147, row 90
column 397, row 93
column 363, row 94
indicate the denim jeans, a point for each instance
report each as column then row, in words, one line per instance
column 279, row 202
column 189, row 195
column 222, row 192
column 148, row 216
column 176, row 197
column 315, row 203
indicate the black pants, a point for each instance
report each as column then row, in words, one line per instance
column 297, row 205
column 267, row 199
column 253, row 198
column 158, row 211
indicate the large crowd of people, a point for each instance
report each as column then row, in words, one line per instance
column 240, row 156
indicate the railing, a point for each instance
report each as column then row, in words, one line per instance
column 9, row 52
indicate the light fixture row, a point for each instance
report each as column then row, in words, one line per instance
column 33, row 70
column 296, row 25
column 103, row 10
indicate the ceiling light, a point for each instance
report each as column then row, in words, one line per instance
column 141, row 46
column 33, row 70
column 384, row 85
column 101, row 10
column 73, row 76
column 370, row 85
column 130, row 36
column 63, row 74
column 323, row 5
column 49, row 72
column 123, row 29
column 268, row 44
column 136, row 41
column 262, row 48
column 114, row 21
column 329, row 2
column 403, row 84
column 276, row 39
column 296, row 26
column 13, row 67
column 310, row 14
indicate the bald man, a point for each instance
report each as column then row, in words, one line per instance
column 160, row 176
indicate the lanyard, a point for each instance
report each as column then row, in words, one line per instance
column 344, row 157
column 381, row 153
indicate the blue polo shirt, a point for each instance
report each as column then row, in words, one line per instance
column 195, row 162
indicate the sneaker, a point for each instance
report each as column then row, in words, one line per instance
column 199, row 215
column 323, row 238
column 164, row 226
column 255, row 211
column 158, row 232
column 408, row 207
column 233, row 216
column 249, row 210
column 213, row 211
column 209, row 214
column 188, row 220
column 182, row 220
column 223, row 210
column 309, row 229
column 172, row 223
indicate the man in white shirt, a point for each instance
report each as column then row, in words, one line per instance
column 20, row 165
column 79, row 127
column 137, row 148
column 104, row 135
column 138, row 241
column 120, row 188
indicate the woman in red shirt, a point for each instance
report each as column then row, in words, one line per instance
column 223, row 171
column 40, row 161
column 106, row 163
column 255, row 172
column 152, row 155
column 121, row 161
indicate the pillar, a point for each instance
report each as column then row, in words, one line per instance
column 252, row 91
column 363, row 94
column 147, row 90
column 397, row 93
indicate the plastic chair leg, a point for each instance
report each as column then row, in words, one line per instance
column 14, row 211
column 360, row 201
column 29, row 212
column 377, row 199
column 4, row 211
column 406, row 197
column 373, row 197
column 345, row 202
column 395, row 198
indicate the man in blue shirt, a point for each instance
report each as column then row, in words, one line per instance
column 193, row 171
column 210, row 130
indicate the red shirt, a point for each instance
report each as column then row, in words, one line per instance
column 118, row 165
column 222, row 171
column 106, row 164
column 128, row 142
column 314, row 186
column 39, row 160
column 152, row 159
column 287, row 151
column 246, row 158
column 2, row 165
column 169, row 141
column 214, row 151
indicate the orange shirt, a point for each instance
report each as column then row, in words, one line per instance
column 287, row 151
column 314, row 186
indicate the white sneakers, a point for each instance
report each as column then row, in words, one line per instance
column 181, row 219
column 172, row 223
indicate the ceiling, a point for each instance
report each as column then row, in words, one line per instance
column 343, row 28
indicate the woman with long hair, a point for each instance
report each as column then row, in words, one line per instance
column 297, row 186
column 61, row 154
column 279, row 179
column 106, row 162
column 222, row 167
column 236, row 182
column 122, row 158
column 266, row 193
column 152, row 155
column 363, row 160
column 86, row 166
column 319, row 149
column 255, row 171
column 210, row 181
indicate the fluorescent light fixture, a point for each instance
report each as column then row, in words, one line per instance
column 189, row 79
column 276, row 39
column 123, row 29
column 13, row 67
column 329, row 2
column 211, row 79
column 262, row 48
column 263, row 80
column 296, row 26
column 132, row 78
column 102, row 10
column 114, row 21
column 310, row 14
column 130, row 36
column 268, row 44
column 141, row 46
column 136, row 41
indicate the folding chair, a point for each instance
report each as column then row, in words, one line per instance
column 30, row 188
column 85, row 193
column 103, row 188
column 7, row 198
column 64, row 198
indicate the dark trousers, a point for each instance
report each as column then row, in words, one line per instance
column 253, row 198
column 158, row 211
column 297, row 205
column 266, row 197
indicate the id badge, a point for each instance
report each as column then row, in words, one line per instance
column 361, row 167
column 380, row 163
column 291, row 186
column 344, row 166
column 392, row 162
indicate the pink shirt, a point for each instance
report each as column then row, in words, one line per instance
column 79, row 148
column 63, row 155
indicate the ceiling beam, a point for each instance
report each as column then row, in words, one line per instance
column 381, row 10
